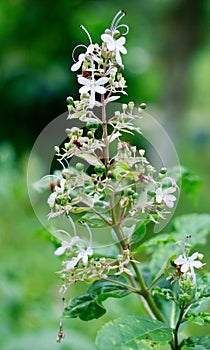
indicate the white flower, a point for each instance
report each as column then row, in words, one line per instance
column 166, row 196
column 188, row 264
column 82, row 57
column 115, row 45
column 93, row 86
column 83, row 255
column 66, row 245
column 53, row 196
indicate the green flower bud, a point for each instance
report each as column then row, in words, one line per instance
column 92, row 125
column 79, row 166
column 163, row 171
column 130, row 192
column 99, row 169
column 143, row 105
column 70, row 100
column 135, row 195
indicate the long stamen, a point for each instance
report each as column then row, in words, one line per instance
column 80, row 45
column 73, row 225
column 86, row 31
column 117, row 19
column 123, row 26
column 89, row 231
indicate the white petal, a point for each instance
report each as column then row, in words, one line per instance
column 120, row 41
column 170, row 190
column 90, row 48
column 85, row 259
column 180, row 260
column 84, row 81
column 119, row 59
column 184, row 268
column 109, row 40
column 60, row 251
column 197, row 264
column 72, row 263
column 102, row 81
column 92, row 99
column 84, row 89
column 100, row 89
column 51, row 199
column 194, row 256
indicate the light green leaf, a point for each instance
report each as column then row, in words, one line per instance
column 128, row 332
column 196, row 225
column 90, row 158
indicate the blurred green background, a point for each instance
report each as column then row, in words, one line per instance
column 167, row 66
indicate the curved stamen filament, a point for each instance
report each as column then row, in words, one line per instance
column 89, row 231
column 80, row 45
column 88, row 34
column 73, row 225
column 123, row 26
column 116, row 20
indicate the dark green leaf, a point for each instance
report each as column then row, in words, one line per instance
column 106, row 289
column 202, row 318
column 89, row 306
column 130, row 332
column 197, row 343
column 85, row 306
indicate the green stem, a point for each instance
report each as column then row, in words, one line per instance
column 105, row 133
column 127, row 286
column 143, row 288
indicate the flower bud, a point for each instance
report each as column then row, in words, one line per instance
column 143, row 105
column 57, row 149
column 163, row 171
column 131, row 105
column 79, row 166
column 142, row 152
column 124, row 107
column 70, row 100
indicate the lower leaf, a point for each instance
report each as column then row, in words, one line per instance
column 131, row 332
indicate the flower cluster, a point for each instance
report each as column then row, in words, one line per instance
column 121, row 188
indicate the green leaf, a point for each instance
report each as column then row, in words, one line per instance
column 202, row 318
column 106, row 289
column 187, row 180
column 89, row 158
column 85, row 306
column 139, row 233
column 89, row 306
column 196, row 225
column 130, row 332
column 196, row 343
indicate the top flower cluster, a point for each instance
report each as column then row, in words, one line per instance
column 102, row 65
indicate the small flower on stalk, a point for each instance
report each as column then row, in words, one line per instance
column 83, row 255
column 58, row 190
column 115, row 45
column 93, row 86
column 188, row 263
column 66, row 245
column 166, row 196
column 82, row 57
